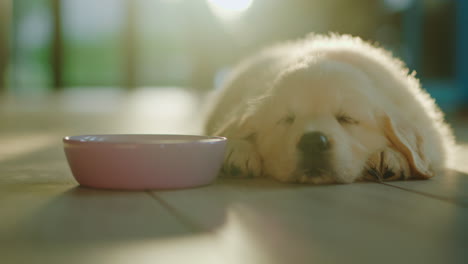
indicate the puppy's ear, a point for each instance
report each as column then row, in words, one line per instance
column 407, row 140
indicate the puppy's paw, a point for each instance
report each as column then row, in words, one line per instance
column 241, row 160
column 387, row 165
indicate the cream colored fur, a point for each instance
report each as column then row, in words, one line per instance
column 271, row 99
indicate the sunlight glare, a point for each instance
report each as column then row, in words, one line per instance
column 229, row 8
column 459, row 164
column 16, row 146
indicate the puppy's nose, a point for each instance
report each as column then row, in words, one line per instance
column 314, row 142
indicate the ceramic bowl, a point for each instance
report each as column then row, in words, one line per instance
column 141, row 162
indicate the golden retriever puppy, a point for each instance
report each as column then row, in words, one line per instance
column 328, row 109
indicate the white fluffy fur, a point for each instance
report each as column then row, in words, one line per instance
column 311, row 81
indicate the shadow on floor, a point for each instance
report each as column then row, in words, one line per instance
column 82, row 216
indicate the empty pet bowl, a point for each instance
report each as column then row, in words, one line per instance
column 139, row 162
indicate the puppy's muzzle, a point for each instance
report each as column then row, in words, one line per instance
column 314, row 147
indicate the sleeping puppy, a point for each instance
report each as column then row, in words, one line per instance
column 328, row 109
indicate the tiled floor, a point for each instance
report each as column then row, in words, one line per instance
column 45, row 217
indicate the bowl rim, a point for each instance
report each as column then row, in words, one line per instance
column 184, row 139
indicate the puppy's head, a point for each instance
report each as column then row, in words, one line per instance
column 319, row 126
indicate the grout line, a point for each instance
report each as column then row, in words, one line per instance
column 192, row 225
column 440, row 198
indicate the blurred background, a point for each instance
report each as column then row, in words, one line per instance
column 57, row 45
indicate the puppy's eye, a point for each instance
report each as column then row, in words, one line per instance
column 287, row 120
column 346, row 120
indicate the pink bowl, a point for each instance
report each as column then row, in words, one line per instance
column 140, row 162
